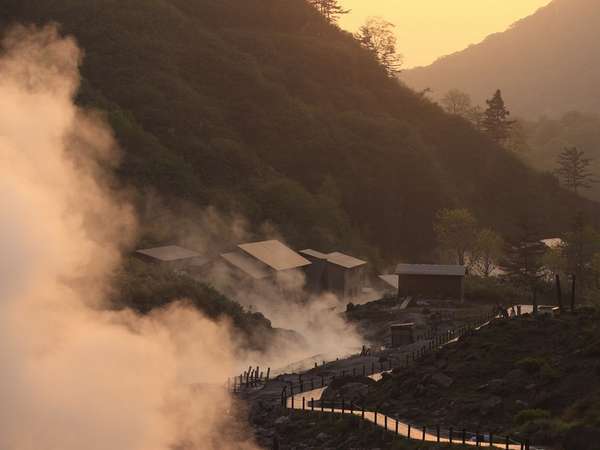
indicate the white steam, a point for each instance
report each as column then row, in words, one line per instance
column 72, row 375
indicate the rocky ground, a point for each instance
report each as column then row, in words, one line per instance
column 375, row 318
column 535, row 377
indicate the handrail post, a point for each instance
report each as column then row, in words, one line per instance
column 424, row 431
column 437, row 430
column 303, row 404
column 450, row 435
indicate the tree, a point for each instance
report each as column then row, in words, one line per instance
column 487, row 251
column 523, row 260
column 457, row 102
column 573, row 169
column 580, row 247
column 331, row 9
column 456, row 231
column 517, row 140
column 495, row 121
column 377, row 35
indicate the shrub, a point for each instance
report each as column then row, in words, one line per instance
column 531, row 365
column 531, row 415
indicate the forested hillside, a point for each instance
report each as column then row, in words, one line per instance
column 545, row 64
column 263, row 108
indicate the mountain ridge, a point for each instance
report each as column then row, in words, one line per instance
column 534, row 74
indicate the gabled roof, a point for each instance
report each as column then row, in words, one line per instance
column 430, row 269
column 347, row 261
column 275, row 255
column 313, row 253
column 337, row 258
column 391, row 280
column 247, row 264
column 169, row 253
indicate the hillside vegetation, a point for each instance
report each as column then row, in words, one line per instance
column 263, row 108
column 545, row 64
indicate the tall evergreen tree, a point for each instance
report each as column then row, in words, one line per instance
column 495, row 121
column 573, row 169
column 331, row 9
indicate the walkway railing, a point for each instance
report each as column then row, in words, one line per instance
column 302, row 395
column 400, row 429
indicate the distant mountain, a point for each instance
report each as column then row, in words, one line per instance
column 547, row 63
column 261, row 107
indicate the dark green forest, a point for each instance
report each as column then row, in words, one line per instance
column 261, row 107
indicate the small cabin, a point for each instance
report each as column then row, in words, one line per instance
column 173, row 257
column 338, row 273
column 265, row 259
column 431, row 281
column 402, row 334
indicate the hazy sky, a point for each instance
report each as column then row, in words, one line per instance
column 428, row 29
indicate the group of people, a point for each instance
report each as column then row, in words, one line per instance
column 513, row 311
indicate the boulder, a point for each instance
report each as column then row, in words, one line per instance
column 442, row 380
column 490, row 404
column 322, row 437
column 282, row 420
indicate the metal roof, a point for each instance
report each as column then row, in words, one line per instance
column 430, row 269
column 553, row 243
column 275, row 255
column 246, row 264
column 169, row 253
column 313, row 253
column 337, row 258
column 392, row 280
column 343, row 260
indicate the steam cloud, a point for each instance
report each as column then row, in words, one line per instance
column 73, row 375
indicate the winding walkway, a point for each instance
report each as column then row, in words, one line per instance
column 305, row 401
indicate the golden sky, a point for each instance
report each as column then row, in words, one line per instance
column 428, row 29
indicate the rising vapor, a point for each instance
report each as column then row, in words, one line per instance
column 73, row 375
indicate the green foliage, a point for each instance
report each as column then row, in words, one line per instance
column 531, row 365
column 378, row 36
column 223, row 102
column 492, row 290
column 531, row 415
column 488, row 251
column 143, row 287
column 573, row 169
column 495, row 121
column 456, row 231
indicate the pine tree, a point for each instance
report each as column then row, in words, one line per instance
column 331, row 9
column 573, row 169
column 495, row 119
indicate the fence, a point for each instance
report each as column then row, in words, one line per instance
column 290, row 396
column 310, row 381
column 398, row 429
column 252, row 377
